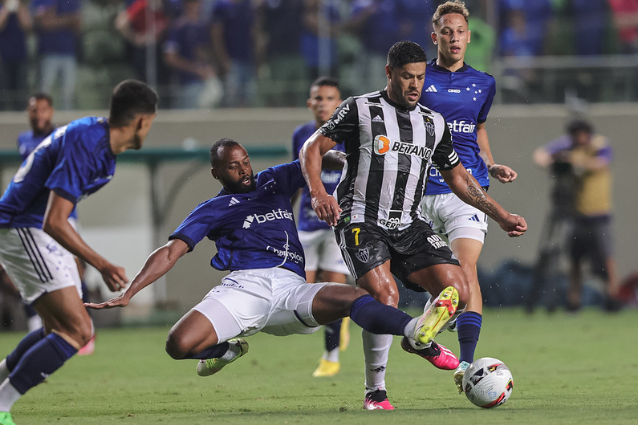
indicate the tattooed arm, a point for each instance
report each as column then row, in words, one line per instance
column 469, row 191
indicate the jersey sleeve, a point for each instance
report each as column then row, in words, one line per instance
column 199, row 223
column 485, row 109
column 444, row 156
column 73, row 170
column 343, row 124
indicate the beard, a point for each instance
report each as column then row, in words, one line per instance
column 239, row 187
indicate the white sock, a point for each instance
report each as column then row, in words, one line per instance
column 4, row 371
column 232, row 352
column 409, row 333
column 375, row 350
column 332, row 355
column 8, row 396
column 410, row 328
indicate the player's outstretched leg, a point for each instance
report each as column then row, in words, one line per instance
column 237, row 347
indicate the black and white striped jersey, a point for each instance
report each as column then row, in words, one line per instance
column 389, row 154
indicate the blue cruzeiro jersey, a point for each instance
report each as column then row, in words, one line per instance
column 252, row 230
column 464, row 98
column 74, row 161
column 308, row 220
column 27, row 142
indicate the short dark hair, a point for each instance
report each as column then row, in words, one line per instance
column 130, row 98
column 405, row 52
column 325, row 81
column 41, row 96
column 576, row 126
column 224, row 142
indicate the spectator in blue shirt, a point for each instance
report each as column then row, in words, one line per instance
column 187, row 51
column 15, row 22
column 58, row 23
column 536, row 15
column 232, row 32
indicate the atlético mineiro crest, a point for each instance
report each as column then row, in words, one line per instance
column 429, row 127
column 363, row 255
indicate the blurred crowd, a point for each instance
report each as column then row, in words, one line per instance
column 241, row 53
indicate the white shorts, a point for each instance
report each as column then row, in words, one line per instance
column 275, row 300
column 36, row 262
column 447, row 214
column 322, row 252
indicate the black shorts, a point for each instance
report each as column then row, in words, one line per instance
column 366, row 246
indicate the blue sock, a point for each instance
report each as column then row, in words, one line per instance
column 213, row 352
column 378, row 318
column 469, row 328
column 27, row 342
column 332, row 333
column 40, row 361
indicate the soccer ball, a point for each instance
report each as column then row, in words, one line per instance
column 488, row 383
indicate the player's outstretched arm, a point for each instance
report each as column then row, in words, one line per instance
column 157, row 265
column 310, row 157
column 468, row 189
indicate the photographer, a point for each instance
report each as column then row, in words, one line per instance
column 578, row 226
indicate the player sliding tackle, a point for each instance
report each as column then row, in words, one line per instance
column 251, row 222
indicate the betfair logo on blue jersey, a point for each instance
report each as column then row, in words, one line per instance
column 461, row 126
column 263, row 218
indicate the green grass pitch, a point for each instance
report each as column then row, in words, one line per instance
column 568, row 369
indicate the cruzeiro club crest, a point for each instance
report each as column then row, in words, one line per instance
column 363, row 255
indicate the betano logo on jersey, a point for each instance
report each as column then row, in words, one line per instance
column 462, row 126
column 383, row 145
column 271, row 216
